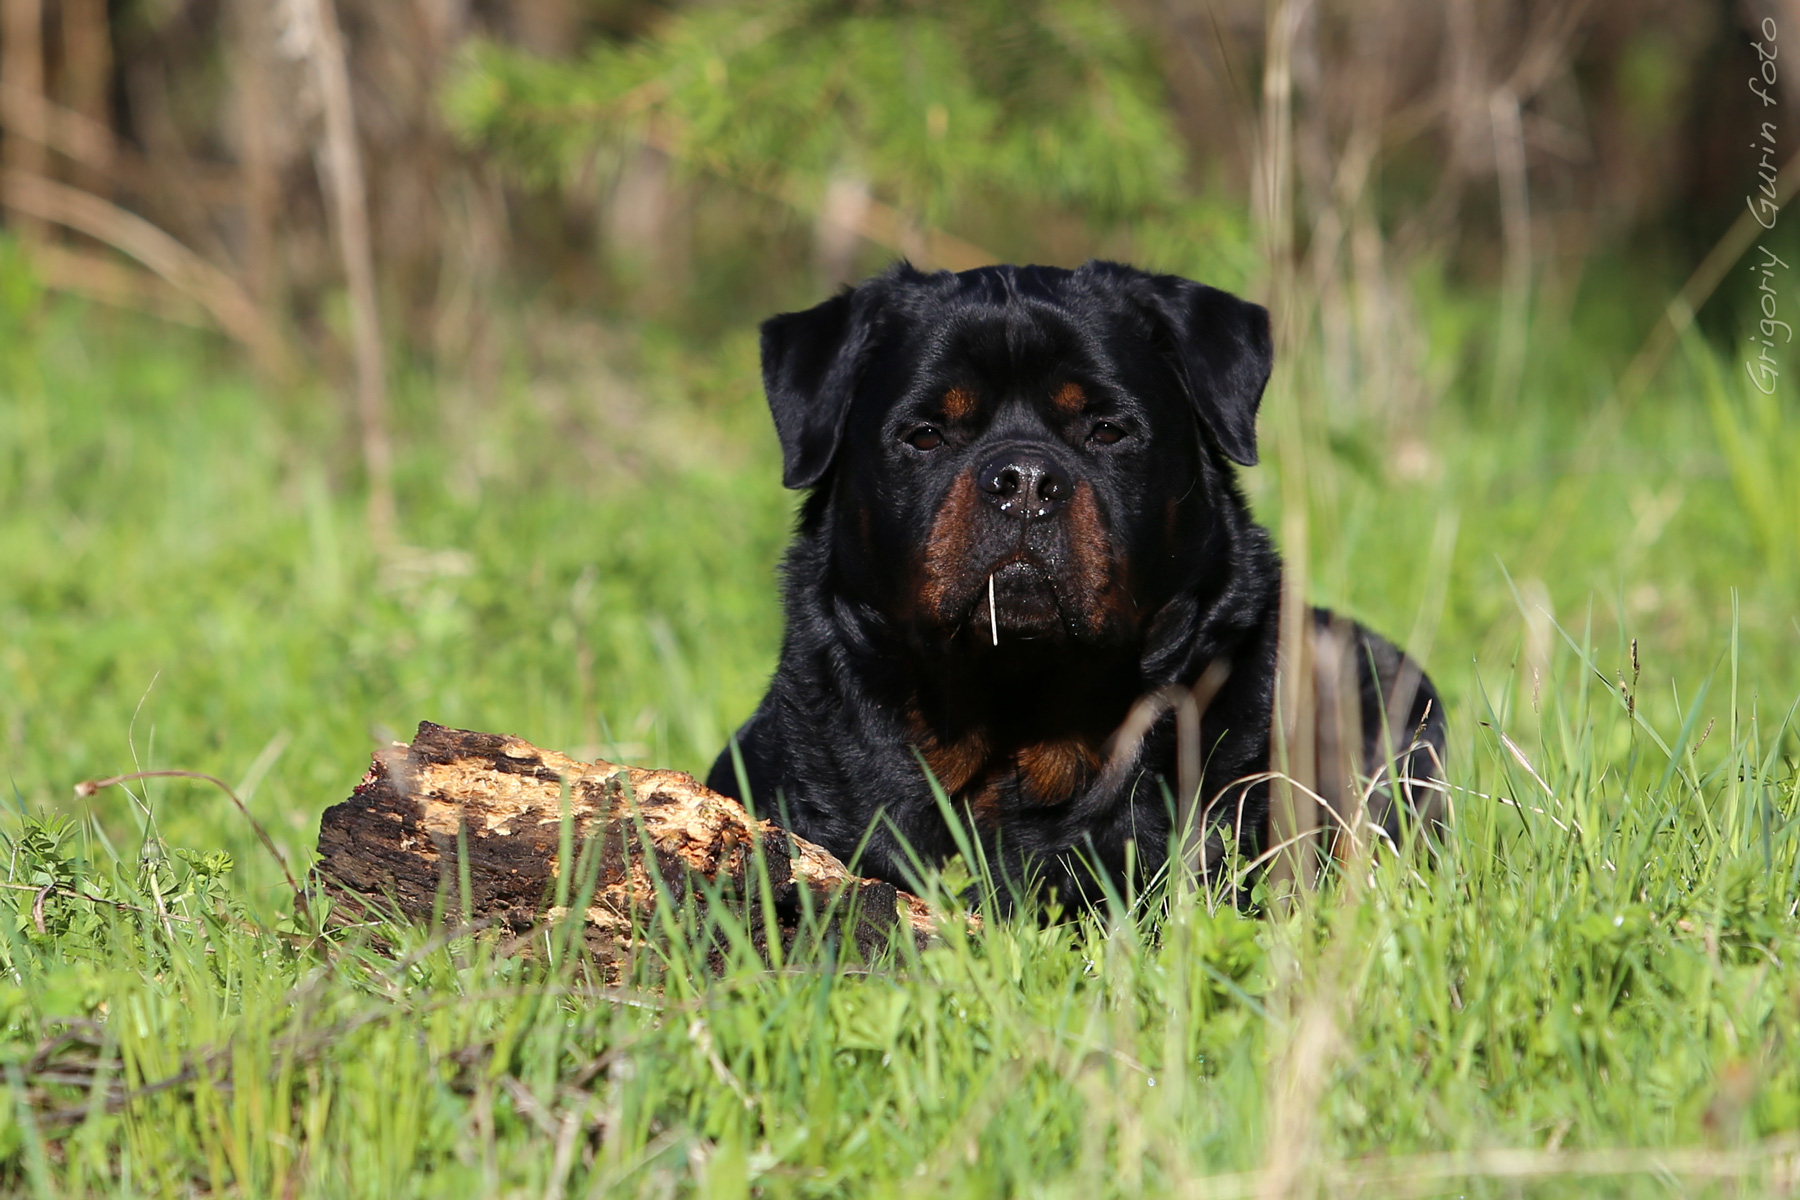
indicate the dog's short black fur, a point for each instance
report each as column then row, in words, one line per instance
column 1058, row 443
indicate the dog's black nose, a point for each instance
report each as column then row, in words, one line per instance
column 1025, row 483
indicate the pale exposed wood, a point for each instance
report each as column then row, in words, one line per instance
column 498, row 802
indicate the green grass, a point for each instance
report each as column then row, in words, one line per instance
column 1602, row 974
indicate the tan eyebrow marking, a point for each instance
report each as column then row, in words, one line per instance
column 959, row 403
column 1069, row 398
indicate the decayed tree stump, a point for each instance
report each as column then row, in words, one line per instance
column 498, row 801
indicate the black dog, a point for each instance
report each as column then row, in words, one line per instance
column 1024, row 522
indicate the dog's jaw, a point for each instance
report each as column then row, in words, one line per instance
column 1047, row 583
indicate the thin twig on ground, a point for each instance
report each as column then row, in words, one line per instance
column 301, row 908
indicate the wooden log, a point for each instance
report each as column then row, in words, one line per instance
column 498, row 802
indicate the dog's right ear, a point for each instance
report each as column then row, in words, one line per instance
column 809, row 363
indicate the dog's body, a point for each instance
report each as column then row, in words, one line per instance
column 1024, row 529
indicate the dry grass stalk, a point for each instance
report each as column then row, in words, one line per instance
column 1312, row 993
column 1678, row 315
column 87, row 56
column 22, row 69
column 1515, row 224
column 312, row 35
column 1677, row 319
column 91, row 145
column 87, row 63
column 1297, row 1080
column 1290, row 817
column 1275, row 154
column 28, row 115
column 104, row 279
column 1774, row 1163
column 257, row 178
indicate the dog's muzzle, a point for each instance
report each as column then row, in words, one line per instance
column 1025, row 483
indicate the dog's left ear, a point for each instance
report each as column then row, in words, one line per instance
column 1226, row 353
column 809, row 363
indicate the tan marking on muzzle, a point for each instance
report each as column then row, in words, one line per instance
column 1097, row 574
column 949, row 546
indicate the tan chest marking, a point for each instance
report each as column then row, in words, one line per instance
column 1048, row 773
column 957, row 763
column 1055, row 772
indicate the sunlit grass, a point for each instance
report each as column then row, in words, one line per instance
column 1603, row 957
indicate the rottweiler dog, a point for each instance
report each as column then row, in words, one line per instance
column 1024, row 566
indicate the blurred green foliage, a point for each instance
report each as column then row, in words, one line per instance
column 965, row 116
column 932, row 104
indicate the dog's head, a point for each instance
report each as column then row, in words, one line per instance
column 1055, row 440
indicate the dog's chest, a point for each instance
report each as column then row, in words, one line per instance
column 995, row 774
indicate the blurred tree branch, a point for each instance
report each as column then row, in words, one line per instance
column 215, row 291
column 602, row 156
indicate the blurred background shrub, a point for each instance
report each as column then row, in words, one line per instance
column 696, row 162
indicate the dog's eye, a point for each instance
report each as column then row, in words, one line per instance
column 925, row 437
column 1106, row 433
